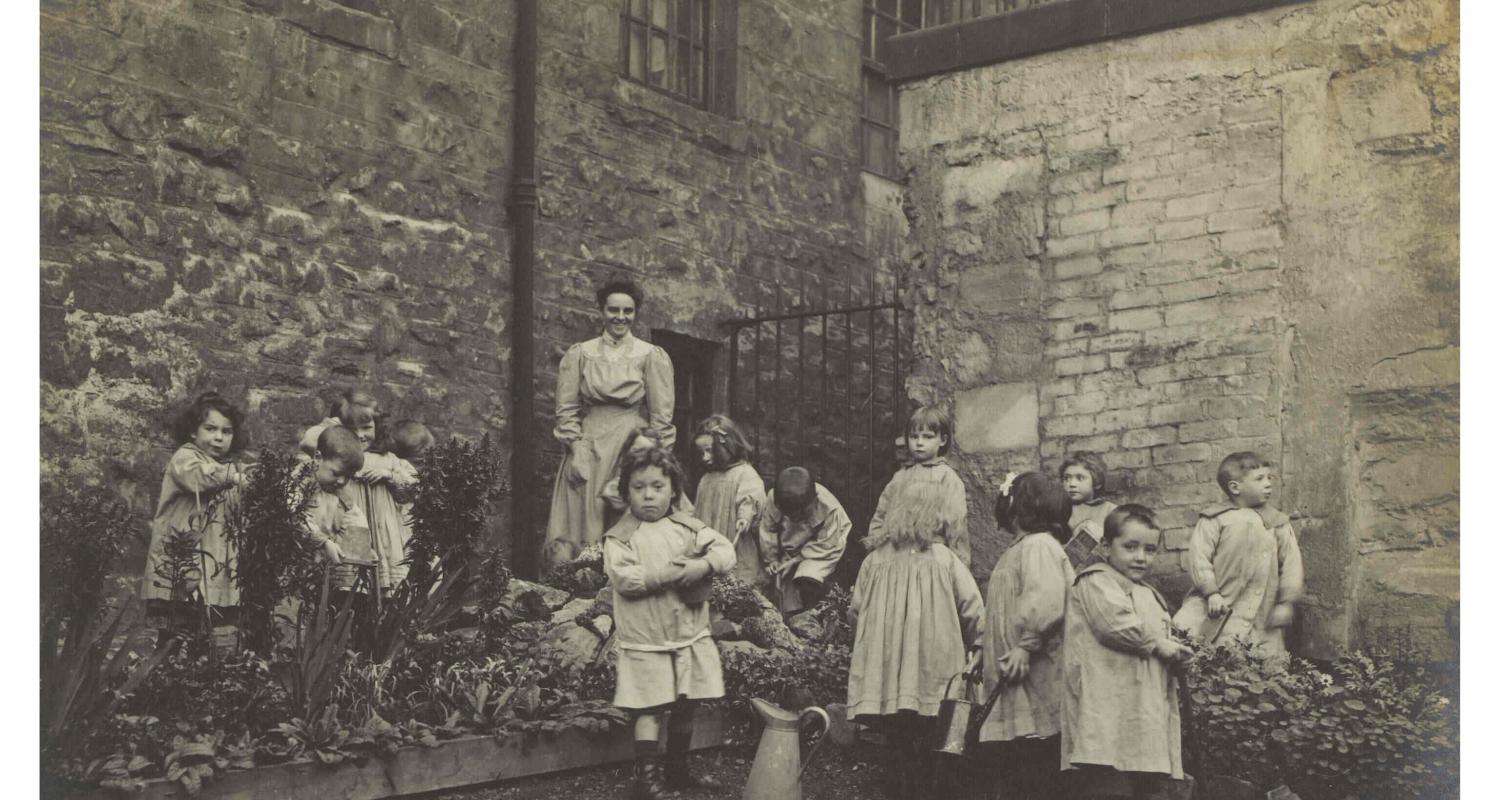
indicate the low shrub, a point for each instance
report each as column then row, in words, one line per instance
column 1366, row 727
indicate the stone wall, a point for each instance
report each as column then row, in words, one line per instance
column 273, row 198
column 1235, row 235
column 282, row 198
column 717, row 215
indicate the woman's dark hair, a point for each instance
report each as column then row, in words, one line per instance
column 1035, row 504
column 730, row 445
column 1090, row 462
column 655, row 457
column 1130, row 512
column 930, row 418
column 355, row 407
column 184, row 426
column 619, row 286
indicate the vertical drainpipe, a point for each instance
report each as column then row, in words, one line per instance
column 525, row 537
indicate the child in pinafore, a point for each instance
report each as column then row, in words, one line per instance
column 336, row 526
column 731, row 493
column 803, row 532
column 916, row 612
column 390, row 477
column 1121, row 727
column 1244, row 561
column 1082, row 475
column 199, row 478
column 928, row 488
column 1023, row 646
column 660, row 566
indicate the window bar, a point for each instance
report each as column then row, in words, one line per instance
column 849, row 404
column 757, row 405
column 776, row 400
column 734, row 369
column 801, row 417
column 898, row 392
column 870, row 491
column 824, row 449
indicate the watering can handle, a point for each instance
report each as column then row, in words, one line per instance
column 821, row 739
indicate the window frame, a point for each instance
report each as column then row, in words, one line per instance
column 706, row 79
column 871, row 66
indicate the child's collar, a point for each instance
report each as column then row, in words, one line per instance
column 1124, row 580
column 935, row 461
column 630, row 523
column 1271, row 516
column 1093, row 501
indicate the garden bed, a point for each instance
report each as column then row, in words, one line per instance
column 450, row 764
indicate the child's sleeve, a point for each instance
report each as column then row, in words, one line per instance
column 1045, row 576
column 1111, row 616
column 403, row 480
column 626, row 572
column 661, row 395
column 956, row 514
column 749, row 496
column 1201, row 547
column 378, row 467
column 770, row 531
column 1289, row 556
column 876, row 527
column 196, row 472
column 821, row 555
column 569, row 373
column 970, row 603
column 717, row 550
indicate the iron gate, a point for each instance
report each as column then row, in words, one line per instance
column 824, row 390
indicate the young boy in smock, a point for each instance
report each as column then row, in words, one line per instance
column 1244, row 562
column 660, row 566
column 803, row 533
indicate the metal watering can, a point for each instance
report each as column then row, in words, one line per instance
column 777, row 771
column 957, row 722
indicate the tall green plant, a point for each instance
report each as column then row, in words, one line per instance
column 84, row 532
column 268, row 531
column 459, row 480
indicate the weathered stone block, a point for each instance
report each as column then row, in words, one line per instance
column 1135, row 319
column 1148, row 437
column 1382, row 101
column 994, row 419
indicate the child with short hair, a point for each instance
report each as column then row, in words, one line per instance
column 731, row 493
column 1082, row 475
column 927, row 489
column 356, row 409
column 1244, row 561
column 803, row 532
column 916, row 613
column 199, row 476
column 1120, row 722
column 1023, row 649
column 660, row 565
column 335, row 525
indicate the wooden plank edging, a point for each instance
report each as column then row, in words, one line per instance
column 452, row 764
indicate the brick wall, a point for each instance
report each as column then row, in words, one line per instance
column 1169, row 248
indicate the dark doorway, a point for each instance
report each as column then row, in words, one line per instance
column 693, row 368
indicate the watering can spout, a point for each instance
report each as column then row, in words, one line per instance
column 777, row 771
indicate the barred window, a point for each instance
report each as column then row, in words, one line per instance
column 877, row 126
column 680, row 47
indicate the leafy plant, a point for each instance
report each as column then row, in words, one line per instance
column 459, row 480
column 321, row 651
column 85, row 677
column 84, row 532
column 268, row 532
column 813, row 674
column 1367, row 727
column 321, row 738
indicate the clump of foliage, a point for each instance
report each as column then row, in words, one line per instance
column 582, row 576
column 84, row 532
column 459, row 481
column 828, row 621
column 268, row 532
column 817, row 674
column 735, row 599
column 91, row 659
column 1367, row 727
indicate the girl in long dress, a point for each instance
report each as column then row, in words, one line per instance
column 731, row 493
column 606, row 387
column 1023, row 651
